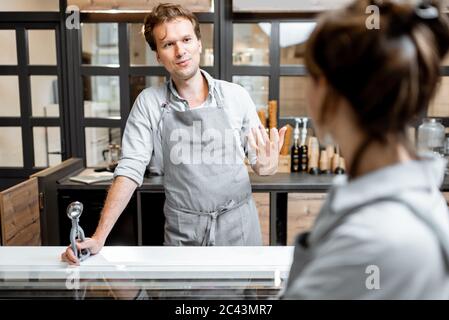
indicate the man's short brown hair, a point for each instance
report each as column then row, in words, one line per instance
column 165, row 12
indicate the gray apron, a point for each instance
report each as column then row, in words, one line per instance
column 304, row 250
column 207, row 202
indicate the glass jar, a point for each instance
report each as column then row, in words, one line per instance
column 112, row 155
column 431, row 135
column 446, row 154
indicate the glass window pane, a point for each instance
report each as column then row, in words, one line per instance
column 97, row 141
column 10, row 97
column 139, row 5
column 42, row 46
column 293, row 37
column 47, row 146
column 101, row 97
column 257, row 87
column 286, row 5
column 439, row 106
column 44, row 96
column 207, row 40
column 140, row 52
column 29, row 5
column 251, row 44
column 11, row 147
column 9, row 51
column 292, row 97
column 137, row 84
column 100, row 43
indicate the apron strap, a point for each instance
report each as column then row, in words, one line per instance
column 166, row 105
column 209, row 237
column 210, row 233
column 217, row 97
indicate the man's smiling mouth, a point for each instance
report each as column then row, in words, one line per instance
column 182, row 62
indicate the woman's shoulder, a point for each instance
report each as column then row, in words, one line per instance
column 393, row 234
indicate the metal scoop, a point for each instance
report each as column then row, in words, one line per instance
column 74, row 211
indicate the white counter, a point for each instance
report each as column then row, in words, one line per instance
column 150, row 263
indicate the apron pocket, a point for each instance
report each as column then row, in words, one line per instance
column 183, row 229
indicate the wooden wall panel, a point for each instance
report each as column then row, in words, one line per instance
column 439, row 106
column 19, row 212
column 302, row 211
column 262, row 201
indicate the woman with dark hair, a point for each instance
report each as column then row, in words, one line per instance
column 383, row 232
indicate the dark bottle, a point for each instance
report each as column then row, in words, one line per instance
column 295, row 155
column 341, row 168
column 304, row 157
column 303, row 149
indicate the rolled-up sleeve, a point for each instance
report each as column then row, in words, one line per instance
column 137, row 143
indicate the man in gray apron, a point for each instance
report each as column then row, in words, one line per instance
column 208, row 203
column 194, row 130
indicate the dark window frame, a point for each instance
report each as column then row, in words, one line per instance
column 21, row 22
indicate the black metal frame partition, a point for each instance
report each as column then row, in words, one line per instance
column 21, row 22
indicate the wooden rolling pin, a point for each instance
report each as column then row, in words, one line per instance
column 285, row 150
column 324, row 162
column 272, row 114
column 335, row 162
column 314, row 148
column 343, row 164
column 313, row 164
column 330, row 149
column 263, row 117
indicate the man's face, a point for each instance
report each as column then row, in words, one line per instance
column 178, row 48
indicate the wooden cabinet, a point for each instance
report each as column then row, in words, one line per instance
column 262, row 201
column 301, row 213
column 19, row 215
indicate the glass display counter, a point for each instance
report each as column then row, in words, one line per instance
column 146, row 273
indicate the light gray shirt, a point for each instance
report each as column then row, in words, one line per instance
column 141, row 144
column 384, row 238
